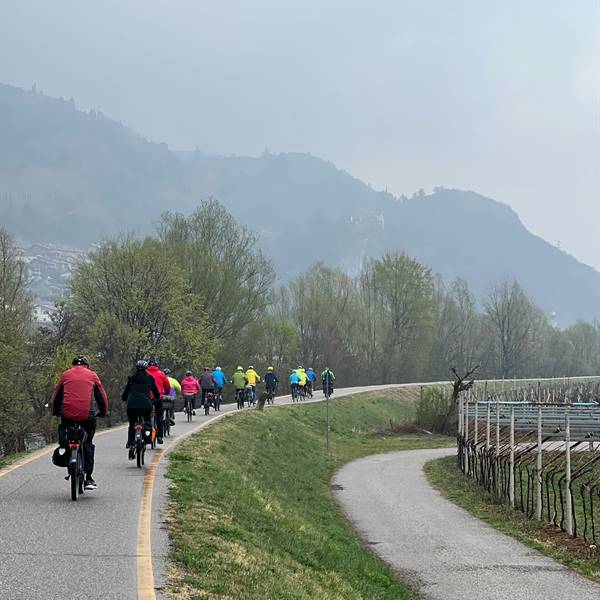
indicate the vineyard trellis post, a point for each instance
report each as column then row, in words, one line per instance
column 467, row 436
column 511, row 482
column 487, row 427
column 569, row 507
column 539, row 466
column 498, row 488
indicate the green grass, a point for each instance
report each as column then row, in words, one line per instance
column 445, row 475
column 252, row 515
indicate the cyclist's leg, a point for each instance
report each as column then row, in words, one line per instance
column 132, row 417
column 160, row 414
column 88, row 446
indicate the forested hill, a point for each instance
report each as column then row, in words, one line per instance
column 72, row 177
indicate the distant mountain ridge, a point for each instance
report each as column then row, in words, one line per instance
column 71, row 178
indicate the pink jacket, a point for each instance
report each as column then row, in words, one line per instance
column 190, row 385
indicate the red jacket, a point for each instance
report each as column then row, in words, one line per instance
column 162, row 381
column 75, row 393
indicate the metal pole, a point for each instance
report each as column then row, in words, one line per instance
column 498, row 486
column 487, row 426
column 466, row 461
column 511, row 483
column 476, row 432
column 327, row 404
column 538, row 505
column 568, row 469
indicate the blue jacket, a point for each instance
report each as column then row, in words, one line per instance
column 220, row 378
column 294, row 378
column 311, row 375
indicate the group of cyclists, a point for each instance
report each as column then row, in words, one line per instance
column 150, row 393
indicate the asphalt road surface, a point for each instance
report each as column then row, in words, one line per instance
column 55, row 549
column 443, row 550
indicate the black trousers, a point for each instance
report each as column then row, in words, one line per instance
column 89, row 427
column 132, row 416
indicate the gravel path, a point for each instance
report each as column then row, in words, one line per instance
column 446, row 552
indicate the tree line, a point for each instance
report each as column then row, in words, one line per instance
column 201, row 292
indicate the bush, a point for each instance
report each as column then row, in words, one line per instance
column 435, row 412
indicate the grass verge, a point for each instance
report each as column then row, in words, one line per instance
column 252, row 515
column 445, row 475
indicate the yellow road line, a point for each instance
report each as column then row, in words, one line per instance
column 145, row 570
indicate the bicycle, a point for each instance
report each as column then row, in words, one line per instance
column 239, row 398
column 250, row 398
column 295, row 393
column 188, row 403
column 209, row 400
column 76, row 437
column 168, row 403
column 218, row 399
column 271, row 395
column 139, row 447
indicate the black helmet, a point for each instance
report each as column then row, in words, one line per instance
column 167, row 371
column 153, row 362
column 80, row 360
column 141, row 365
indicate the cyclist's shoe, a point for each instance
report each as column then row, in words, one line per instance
column 159, row 440
column 90, row 484
column 194, row 413
column 131, row 453
column 128, row 445
column 171, row 422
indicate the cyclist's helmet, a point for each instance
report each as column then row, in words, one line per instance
column 250, row 367
column 240, row 369
column 153, row 362
column 269, row 368
column 80, row 360
column 217, row 368
column 188, row 373
column 166, row 371
column 141, row 365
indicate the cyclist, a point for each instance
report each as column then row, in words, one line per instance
column 312, row 377
column 271, row 381
column 253, row 378
column 175, row 389
column 164, row 388
column 328, row 377
column 138, row 393
column 239, row 381
column 190, row 387
column 294, row 381
column 302, row 381
column 221, row 380
column 73, row 401
column 208, row 383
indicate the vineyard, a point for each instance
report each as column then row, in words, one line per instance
column 537, row 447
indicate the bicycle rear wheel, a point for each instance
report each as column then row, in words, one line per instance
column 139, row 454
column 73, row 477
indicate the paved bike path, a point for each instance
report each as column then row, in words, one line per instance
column 445, row 551
column 55, row 549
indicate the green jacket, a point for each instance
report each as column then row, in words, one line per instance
column 331, row 375
column 239, row 380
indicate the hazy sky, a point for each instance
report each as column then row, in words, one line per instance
column 502, row 97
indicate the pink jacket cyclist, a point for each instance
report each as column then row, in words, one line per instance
column 190, row 385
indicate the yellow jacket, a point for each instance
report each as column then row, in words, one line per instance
column 303, row 376
column 174, row 386
column 252, row 376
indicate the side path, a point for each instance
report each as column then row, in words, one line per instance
column 53, row 548
column 443, row 550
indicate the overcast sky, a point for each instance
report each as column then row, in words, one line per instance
column 498, row 97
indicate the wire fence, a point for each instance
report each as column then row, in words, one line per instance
column 538, row 449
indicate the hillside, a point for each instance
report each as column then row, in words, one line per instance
column 71, row 178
